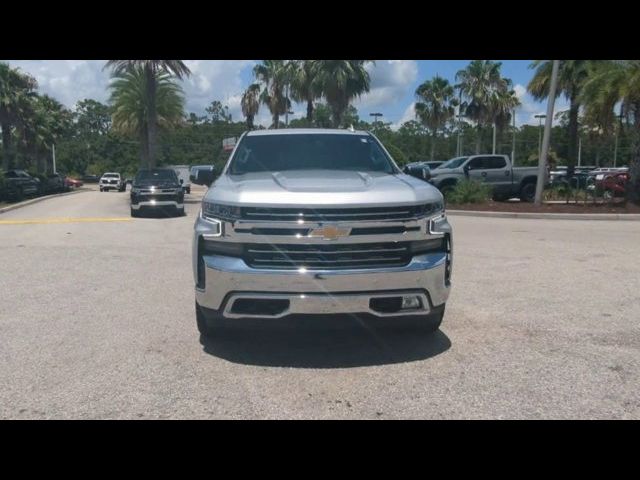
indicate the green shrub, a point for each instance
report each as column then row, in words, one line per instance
column 469, row 191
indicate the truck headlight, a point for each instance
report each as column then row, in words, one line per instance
column 212, row 210
column 429, row 209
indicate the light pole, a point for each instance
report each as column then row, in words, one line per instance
column 540, row 116
column 542, row 163
column 513, row 148
column 286, row 102
column 53, row 147
column 459, row 149
column 615, row 148
column 579, row 149
column 375, row 117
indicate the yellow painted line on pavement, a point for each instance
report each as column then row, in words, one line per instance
column 39, row 221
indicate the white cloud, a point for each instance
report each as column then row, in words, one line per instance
column 72, row 80
column 390, row 80
column 409, row 114
column 525, row 113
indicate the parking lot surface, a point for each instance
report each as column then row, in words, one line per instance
column 97, row 321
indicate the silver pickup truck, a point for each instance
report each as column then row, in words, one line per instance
column 313, row 221
column 496, row 170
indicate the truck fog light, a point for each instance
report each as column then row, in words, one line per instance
column 411, row 302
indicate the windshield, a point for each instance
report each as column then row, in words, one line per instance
column 111, row 175
column 276, row 153
column 453, row 163
column 156, row 176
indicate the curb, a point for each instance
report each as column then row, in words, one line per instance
column 548, row 216
column 38, row 199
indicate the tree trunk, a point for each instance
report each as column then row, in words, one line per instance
column 276, row 121
column 479, row 140
column 7, row 158
column 152, row 117
column 144, row 150
column 309, row 111
column 572, row 151
column 250, row 122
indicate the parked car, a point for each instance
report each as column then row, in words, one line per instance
column 90, row 178
column 197, row 170
column 309, row 221
column 432, row 164
column 157, row 188
column 496, row 170
column 55, row 183
column 19, row 184
column 112, row 181
column 183, row 173
column 609, row 184
column 73, row 183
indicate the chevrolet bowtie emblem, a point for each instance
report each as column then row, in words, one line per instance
column 330, row 232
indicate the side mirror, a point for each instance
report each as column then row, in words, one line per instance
column 423, row 173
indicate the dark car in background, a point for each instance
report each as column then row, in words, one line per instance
column 157, row 189
column 90, row 178
column 55, row 183
column 19, row 184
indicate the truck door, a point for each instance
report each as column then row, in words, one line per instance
column 476, row 169
column 499, row 174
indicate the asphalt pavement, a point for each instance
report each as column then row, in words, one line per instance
column 97, row 321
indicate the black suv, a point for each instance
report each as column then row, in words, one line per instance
column 156, row 189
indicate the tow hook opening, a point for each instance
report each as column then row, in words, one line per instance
column 259, row 306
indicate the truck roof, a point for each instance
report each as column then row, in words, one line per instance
column 298, row 131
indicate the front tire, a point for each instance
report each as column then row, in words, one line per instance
column 134, row 213
column 528, row 192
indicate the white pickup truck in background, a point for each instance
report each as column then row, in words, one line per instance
column 183, row 172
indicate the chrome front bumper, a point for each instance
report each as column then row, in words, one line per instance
column 329, row 291
column 157, row 203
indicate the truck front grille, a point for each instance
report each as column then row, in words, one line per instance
column 332, row 214
column 328, row 257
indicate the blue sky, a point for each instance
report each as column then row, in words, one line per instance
column 393, row 83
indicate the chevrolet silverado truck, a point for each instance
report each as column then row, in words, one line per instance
column 156, row 189
column 113, row 181
column 496, row 170
column 315, row 221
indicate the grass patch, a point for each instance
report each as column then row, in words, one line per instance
column 469, row 191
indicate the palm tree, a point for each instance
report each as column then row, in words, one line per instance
column 130, row 100
column 478, row 83
column 501, row 106
column 250, row 103
column 304, row 87
column 571, row 76
column 609, row 83
column 42, row 125
column 340, row 82
column 436, row 106
column 274, row 75
column 16, row 91
column 152, row 70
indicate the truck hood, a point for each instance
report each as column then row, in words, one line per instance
column 321, row 188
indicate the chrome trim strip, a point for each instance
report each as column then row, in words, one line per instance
column 161, row 203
